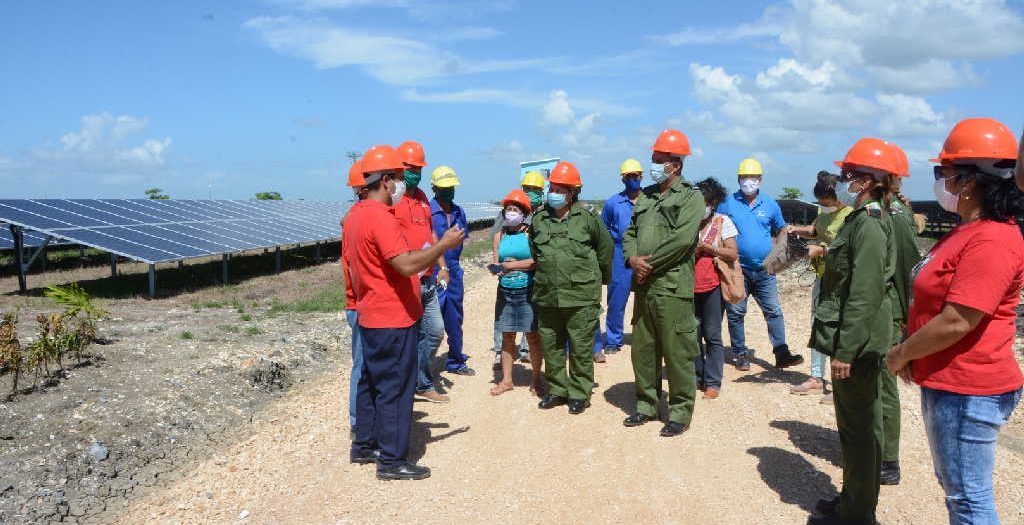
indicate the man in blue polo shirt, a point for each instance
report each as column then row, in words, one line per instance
column 758, row 219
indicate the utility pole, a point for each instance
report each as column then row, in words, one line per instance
column 353, row 156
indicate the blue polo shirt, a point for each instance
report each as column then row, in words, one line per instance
column 441, row 221
column 616, row 215
column 756, row 223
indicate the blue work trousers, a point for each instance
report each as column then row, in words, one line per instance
column 618, row 294
column 357, row 364
column 450, row 301
column 386, row 388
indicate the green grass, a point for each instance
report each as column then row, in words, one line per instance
column 476, row 247
column 230, row 328
column 186, row 335
column 253, row 330
column 331, row 299
column 245, row 317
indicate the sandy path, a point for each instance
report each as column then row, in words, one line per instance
column 757, row 455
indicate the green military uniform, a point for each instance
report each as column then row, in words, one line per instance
column 665, row 227
column 853, row 324
column 574, row 258
column 904, row 238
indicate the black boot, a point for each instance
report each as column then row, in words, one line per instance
column 890, row 474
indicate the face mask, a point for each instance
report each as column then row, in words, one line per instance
column 658, row 174
column 632, row 184
column 750, row 186
column 827, row 209
column 396, row 195
column 536, row 198
column 707, row 212
column 557, row 200
column 412, row 179
column 947, row 200
column 844, row 194
column 513, row 218
column 445, row 195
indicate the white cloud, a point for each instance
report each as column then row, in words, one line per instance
column 926, row 77
column 790, row 73
column 904, row 115
column 435, row 10
column 557, row 110
column 702, row 36
column 390, row 59
column 470, row 33
column 506, row 153
column 472, row 96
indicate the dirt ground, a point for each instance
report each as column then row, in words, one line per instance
column 756, row 455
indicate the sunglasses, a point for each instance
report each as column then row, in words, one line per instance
column 945, row 172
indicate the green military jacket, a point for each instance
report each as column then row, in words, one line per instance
column 573, row 258
column 665, row 226
column 853, row 317
column 904, row 236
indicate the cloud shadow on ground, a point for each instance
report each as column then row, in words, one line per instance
column 793, row 478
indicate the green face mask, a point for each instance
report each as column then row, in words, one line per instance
column 536, row 198
column 412, row 179
column 445, row 195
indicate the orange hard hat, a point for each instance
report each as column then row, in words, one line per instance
column 380, row 158
column 519, row 198
column 411, row 153
column 355, row 175
column 672, row 141
column 871, row 153
column 565, row 173
column 978, row 138
column 901, row 160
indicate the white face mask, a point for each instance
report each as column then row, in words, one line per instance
column 708, row 211
column 827, row 209
column 750, row 186
column 396, row 196
column 513, row 218
column 845, row 195
column 947, row 200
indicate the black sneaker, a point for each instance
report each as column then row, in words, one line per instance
column 577, row 406
column 403, row 472
column 464, row 370
column 636, row 420
column 612, row 349
column 742, row 362
column 890, row 474
column 787, row 360
column 672, row 429
column 551, row 401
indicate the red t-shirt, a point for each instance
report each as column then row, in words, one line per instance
column 414, row 215
column 384, row 297
column 350, row 293
column 979, row 265
column 705, row 277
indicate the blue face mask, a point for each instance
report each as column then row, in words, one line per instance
column 844, row 194
column 632, row 184
column 557, row 200
column 658, row 174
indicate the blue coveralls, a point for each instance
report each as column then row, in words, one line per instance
column 450, row 297
column 616, row 215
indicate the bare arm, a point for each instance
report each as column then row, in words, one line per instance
column 726, row 252
column 495, row 241
column 807, row 232
column 413, row 262
column 944, row 330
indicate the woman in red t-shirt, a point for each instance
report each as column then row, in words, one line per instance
column 717, row 238
column 961, row 325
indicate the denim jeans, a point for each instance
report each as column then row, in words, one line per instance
column 709, row 362
column 962, row 432
column 357, row 365
column 431, row 332
column 765, row 289
column 819, row 361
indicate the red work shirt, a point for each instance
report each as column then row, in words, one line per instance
column 384, row 297
column 414, row 215
column 979, row 265
column 350, row 293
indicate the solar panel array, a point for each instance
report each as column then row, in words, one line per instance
column 154, row 231
column 30, row 238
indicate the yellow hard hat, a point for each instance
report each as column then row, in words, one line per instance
column 630, row 166
column 532, row 178
column 443, row 177
column 750, row 166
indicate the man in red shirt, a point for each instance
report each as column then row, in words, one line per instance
column 383, row 271
column 413, row 212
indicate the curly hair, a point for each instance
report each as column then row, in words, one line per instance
column 1001, row 199
column 714, row 192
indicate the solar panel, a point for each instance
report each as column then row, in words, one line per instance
column 154, row 231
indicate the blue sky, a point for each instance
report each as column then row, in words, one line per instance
column 230, row 98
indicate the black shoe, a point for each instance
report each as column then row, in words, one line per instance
column 612, row 349
column 827, row 506
column 363, row 457
column 551, row 401
column 833, row 519
column 787, row 360
column 890, row 474
column 742, row 362
column 636, row 420
column 463, row 370
column 577, row 406
column 403, row 471
column 672, row 429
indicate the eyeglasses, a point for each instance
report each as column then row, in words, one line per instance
column 945, row 172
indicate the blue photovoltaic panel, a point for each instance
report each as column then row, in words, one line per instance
column 167, row 230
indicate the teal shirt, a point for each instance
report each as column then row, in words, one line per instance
column 514, row 246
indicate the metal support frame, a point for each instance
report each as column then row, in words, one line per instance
column 224, row 262
column 113, row 265
column 181, row 265
column 152, row 281
column 318, row 260
column 277, row 259
column 19, row 255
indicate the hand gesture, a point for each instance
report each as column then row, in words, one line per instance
column 815, row 250
column 452, row 238
column 641, row 267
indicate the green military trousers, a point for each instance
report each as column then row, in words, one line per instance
column 664, row 329
column 890, row 394
column 859, row 418
column 577, row 326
